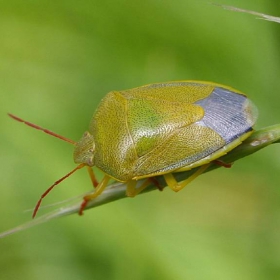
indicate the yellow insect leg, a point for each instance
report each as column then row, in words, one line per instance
column 131, row 189
column 92, row 176
column 175, row 186
column 99, row 189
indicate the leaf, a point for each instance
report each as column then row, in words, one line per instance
column 258, row 140
column 260, row 15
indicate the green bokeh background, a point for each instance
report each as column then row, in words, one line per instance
column 57, row 60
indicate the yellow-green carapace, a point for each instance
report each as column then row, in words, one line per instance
column 160, row 129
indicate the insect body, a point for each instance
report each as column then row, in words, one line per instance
column 160, row 129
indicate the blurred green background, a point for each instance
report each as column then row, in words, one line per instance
column 57, row 60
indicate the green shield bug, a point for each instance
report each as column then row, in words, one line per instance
column 159, row 129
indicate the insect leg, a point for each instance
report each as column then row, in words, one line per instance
column 175, row 186
column 223, row 164
column 132, row 190
column 92, row 176
column 99, row 189
column 156, row 183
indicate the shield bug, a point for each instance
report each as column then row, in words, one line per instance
column 159, row 129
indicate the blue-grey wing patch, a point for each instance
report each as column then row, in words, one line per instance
column 228, row 113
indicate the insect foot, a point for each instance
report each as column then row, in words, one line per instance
column 176, row 188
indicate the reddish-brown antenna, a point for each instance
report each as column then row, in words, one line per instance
column 52, row 186
column 57, row 136
column 42, row 129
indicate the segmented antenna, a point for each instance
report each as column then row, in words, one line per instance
column 57, row 136
column 52, row 186
column 42, row 129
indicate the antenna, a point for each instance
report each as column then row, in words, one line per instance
column 59, row 137
column 52, row 186
column 43, row 129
